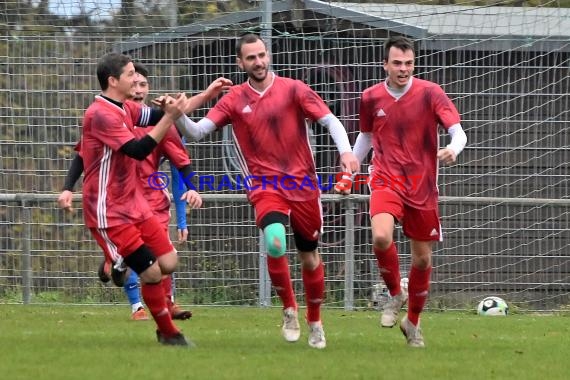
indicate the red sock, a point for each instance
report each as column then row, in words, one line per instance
column 167, row 286
column 418, row 289
column 314, row 282
column 153, row 295
column 389, row 268
column 281, row 280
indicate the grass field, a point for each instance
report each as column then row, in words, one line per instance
column 100, row 342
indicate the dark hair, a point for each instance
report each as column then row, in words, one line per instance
column 111, row 65
column 400, row 42
column 141, row 69
column 248, row 38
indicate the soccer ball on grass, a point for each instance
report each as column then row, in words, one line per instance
column 493, row 306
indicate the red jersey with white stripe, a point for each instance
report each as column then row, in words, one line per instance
column 405, row 138
column 271, row 136
column 170, row 147
column 111, row 191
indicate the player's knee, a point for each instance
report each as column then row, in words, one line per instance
column 310, row 260
column 152, row 275
column 275, row 239
column 382, row 241
column 382, row 232
column 168, row 262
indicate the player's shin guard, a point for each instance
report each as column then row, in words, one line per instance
column 153, row 295
column 418, row 289
column 278, row 269
column 314, row 282
column 389, row 267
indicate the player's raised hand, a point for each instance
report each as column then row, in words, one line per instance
column 214, row 89
column 193, row 198
column 446, row 156
column 65, row 201
column 217, row 87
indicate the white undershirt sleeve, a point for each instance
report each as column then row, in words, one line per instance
column 458, row 139
column 362, row 145
column 337, row 131
column 194, row 131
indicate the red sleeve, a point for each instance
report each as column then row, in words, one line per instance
column 366, row 124
column 444, row 108
column 172, row 148
column 110, row 129
column 313, row 105
column 135, row 109
column 221, row 113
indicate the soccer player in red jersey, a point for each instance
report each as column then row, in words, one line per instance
column 268, row 114
column 399, row 119
column 170, row 147
column 114, row 206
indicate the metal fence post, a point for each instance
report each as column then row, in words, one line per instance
column 26, row 253
column 264, row 281
column 349, row 254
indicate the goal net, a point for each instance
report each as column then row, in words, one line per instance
column 505, row 204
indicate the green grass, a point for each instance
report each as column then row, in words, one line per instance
column 100, row 342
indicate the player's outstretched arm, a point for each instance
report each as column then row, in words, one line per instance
column 348, row 161
column 141, row 148
column 214, row 90
column 173, row 108
column 194, row 131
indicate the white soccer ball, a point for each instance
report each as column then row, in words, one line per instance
column 493, row 306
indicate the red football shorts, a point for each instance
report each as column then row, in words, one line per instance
column 421, row 225
column 109, row 249
column 127, row 238
column 306, row 217
column 163, row 218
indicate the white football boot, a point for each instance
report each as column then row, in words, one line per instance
column 412, row 333
column 392, row 308
column 317, row 335
column 291, row 330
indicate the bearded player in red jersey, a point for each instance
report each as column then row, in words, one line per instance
column 115, row 209
column 400, row 118
column 268, row 115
